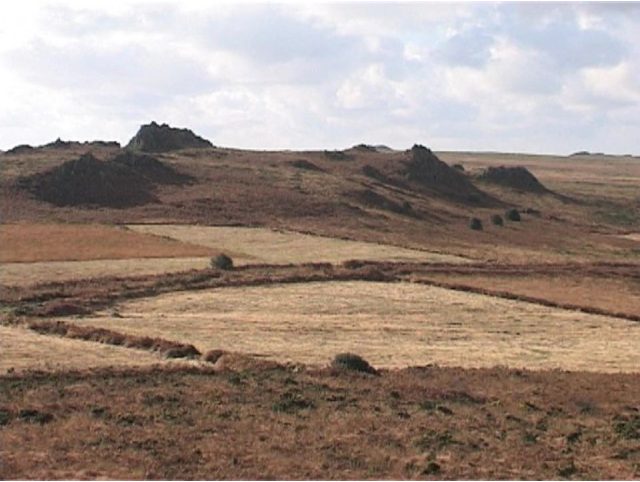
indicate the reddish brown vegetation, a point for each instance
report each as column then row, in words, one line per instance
column 286, row 423
column 169, row 349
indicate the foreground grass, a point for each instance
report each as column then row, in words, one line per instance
column 288, row 423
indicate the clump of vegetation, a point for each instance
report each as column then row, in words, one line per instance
column 497, row 220
column 35, row 416
column 475, row 224
column 183, row 351
column 512, row 214
column 213, row 356
column 5, row 417
column 432, row 468
column 291, row 402
column 459, row 167
column 351, row 361
column 628, row 427
column 222, row 261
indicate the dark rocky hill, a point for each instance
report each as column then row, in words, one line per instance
column 517, row 177
column 163, row 138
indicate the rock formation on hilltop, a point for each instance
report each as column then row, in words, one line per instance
column 517, row 177
column 20, row 149
column 162, row 138
column 425, row 169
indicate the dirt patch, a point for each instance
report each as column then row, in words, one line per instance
column 162, row 138
column 516, row 177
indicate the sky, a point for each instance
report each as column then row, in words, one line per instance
column 510, row 77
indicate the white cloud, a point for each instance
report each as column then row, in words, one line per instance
column 542, row 77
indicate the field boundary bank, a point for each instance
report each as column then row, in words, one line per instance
column 87, row 296
column 525, row 298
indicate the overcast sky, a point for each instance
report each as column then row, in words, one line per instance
column 534, row 77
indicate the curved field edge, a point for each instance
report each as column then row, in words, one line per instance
column 391, row 324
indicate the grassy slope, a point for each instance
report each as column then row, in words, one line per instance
column 264, row 188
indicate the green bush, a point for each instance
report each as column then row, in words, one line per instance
column 512, row 215
column 351, row 361
column 222, row 261
column 497, row 220
column 475, row 224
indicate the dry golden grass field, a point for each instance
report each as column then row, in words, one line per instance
column 41, row 253
column 25, row 274
column 259, row 245
column 24, row 350
column 392, row 325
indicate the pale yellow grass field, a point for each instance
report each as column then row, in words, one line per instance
column 22, row 349
column 391, row 324
column 261, row 245
column 24, row 274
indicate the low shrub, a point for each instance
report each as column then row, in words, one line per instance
column 512, row 215
column 497, row 220
column 222, row 261
column 291, row 402
column 183, row 351
column 213, row 356
column 475, row 224
column 351, row 361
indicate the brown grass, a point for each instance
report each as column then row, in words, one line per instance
column 169, row 349
column 27, row 243
column 263, row 189
column 621, row 295
column 391, row 325
column 283, row 424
